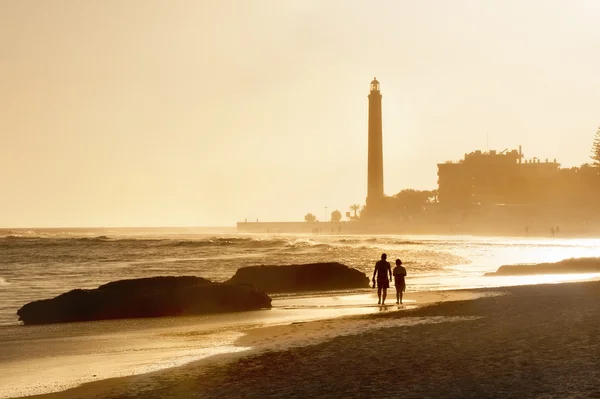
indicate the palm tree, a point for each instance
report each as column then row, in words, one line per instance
column 596, row 149
column 355, row 208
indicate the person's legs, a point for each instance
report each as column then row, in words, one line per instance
column 379, row 293
column 384, row 295
column 398, row 295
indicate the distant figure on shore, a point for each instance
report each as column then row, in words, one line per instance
column 552, row 232
column 399, row 281
column 557, row 230
column 526, row 230
column 382, row 268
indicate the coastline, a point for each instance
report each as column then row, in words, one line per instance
column 63, row 360
column 530, row 341
column 59, row 357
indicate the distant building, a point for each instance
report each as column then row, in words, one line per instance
column 494, row 178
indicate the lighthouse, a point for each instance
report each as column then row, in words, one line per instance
column 375, row 163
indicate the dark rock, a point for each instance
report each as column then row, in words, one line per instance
column 566, row 266
column 309, row 277
column 145, row 297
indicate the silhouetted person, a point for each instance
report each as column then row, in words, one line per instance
column 552, row 232
column 557, row 230
column 382, row 268
column 526, row 230
column 399, row 281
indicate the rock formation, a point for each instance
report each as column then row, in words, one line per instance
column 294, row 278
column 567, row 266
column 145, row 297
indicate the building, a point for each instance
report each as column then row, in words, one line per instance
column 494, row 178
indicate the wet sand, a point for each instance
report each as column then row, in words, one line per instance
column 516, row 342
column 52, row 358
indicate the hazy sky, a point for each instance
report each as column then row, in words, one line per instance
column 145, row 113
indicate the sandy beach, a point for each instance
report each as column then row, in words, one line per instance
column 520, row 342
column 51, row 358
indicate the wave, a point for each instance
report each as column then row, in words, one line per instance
column 234, row 243
column 20, row 237
column 99, row 238
column 310, row 247
column 383, row 240
column 349, row 241
column 246, row 243
column 230, row 245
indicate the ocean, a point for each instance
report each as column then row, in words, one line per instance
column 40, row 264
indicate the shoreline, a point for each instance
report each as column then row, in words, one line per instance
column 241, row 338
column 531, row 341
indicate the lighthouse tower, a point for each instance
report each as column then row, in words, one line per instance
column 375, row 163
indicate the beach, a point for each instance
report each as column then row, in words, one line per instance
column 537, row 341
column 57, row 357
column 307, row 338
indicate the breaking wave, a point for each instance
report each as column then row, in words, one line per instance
column 245, row 243
column 385, row 241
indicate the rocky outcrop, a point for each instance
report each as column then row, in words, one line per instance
column 567, row 266
column 145, row 297
column 295, row 278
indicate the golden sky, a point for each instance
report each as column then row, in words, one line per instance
column 154, row 113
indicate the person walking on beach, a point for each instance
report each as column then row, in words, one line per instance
column 382, row 268
column 399, row 274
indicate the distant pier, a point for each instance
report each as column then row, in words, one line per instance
column 296, row 227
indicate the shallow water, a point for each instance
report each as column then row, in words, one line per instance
column 42, row 264
column 50, row 358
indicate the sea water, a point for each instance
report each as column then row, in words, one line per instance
column 42, row 264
